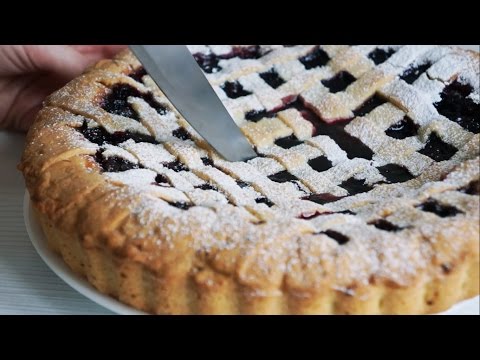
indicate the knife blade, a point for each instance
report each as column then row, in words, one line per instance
column 178, row 75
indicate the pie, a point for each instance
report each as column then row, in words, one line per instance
column 364, row 197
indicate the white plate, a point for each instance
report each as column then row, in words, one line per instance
column 58, row 266
column 55, row 262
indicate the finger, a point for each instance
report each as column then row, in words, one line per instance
column 61, row 60
column 101, row 51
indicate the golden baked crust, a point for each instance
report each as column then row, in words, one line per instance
column 232, row 252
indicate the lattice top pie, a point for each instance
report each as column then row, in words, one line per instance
column 364, row 197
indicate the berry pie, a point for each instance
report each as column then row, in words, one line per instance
column 363, row 199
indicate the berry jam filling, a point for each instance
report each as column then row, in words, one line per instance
column 339, row 82
column 323, row 198
column 207, row 161
column 458, row 108
column 176, row 166
column 315, row 58
column 414, row 72
column 370, row 104
column 312, row 215
column 264, row 200
column 247, row 52
column 206, row 186
column 402, row 129
column 473, row 188
column 282, row 176
column 395, row 173
column 182, row 134
column 339, row 238
column 437, row 149
column 208, row 62
column 441, row 210
column 346, row 212
column 355, row 186
column 288, row 142
column 100, row 136
column 272, row 78
column 256, row 115
column 320, row 163
column 161, row 179
column 379, row 56
column 114, row 163
column 383, row 224
column 116, row 101
column 138, row 74
column 181, row 205
column 234, row 89
column 353, row 146
column 242, row 184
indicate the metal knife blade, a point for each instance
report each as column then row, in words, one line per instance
column 178, row 75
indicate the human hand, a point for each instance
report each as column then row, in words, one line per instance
column 29, row 73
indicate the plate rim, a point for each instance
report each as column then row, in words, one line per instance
column 81, row 285
column 61, row 269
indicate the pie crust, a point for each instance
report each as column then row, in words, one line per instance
column 364, row 198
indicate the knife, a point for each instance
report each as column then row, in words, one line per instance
column 178, row 75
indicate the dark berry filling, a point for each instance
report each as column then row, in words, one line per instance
column 395, row 173
column 288, row 142
column 402, row 129
column 323, row 198
column 414, row 72
column 339, row 82
column 282, row 176
column 234, row 89
column 320, row 163
column 161, row 179
column 181, row 205
column 264, row 200
column 353, row 146
column 437, row 149
column 208, row 62
column 247, row 52
column 312, row 215
column 315, row 58
column 355, row 186
column 138, row 74
column 442, row 210
column 114, row 163
column 473, row 188
column 181, row 133
column 339, row 238
column 272, row 78
column 207, row 161
column 256, row 115
column 379, row 56
column 383, row 224
column 116, row 101
column 242, row 184
column 176, row 166
column 207, row 186
column 458, row 108
column 370, row 104
column 100, row 136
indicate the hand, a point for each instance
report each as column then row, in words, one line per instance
column 29, row 73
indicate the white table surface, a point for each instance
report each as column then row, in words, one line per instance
column 27, row 285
